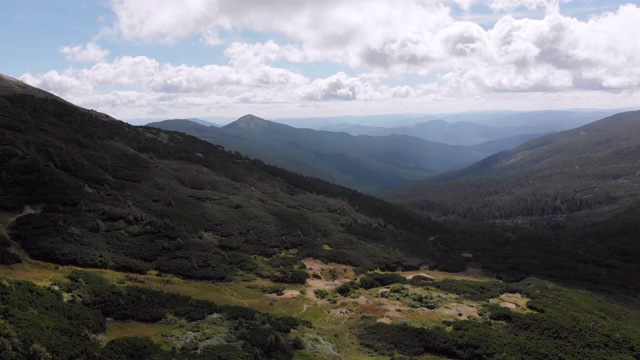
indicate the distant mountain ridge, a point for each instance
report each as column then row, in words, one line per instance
column 463, row 129
column 590, row 167
column 367, row 163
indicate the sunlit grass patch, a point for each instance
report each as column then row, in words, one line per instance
column 120, row 329
column 37, row 272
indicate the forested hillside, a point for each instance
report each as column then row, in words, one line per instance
column 565, row 203
column 105, row 194
column 594, row 167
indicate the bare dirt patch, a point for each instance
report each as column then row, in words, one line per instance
column 508, row 305
column 411, row 275
column 441, row 275
column 318, row 266
column 459, row 310
column 286, row 294
column 517, row 301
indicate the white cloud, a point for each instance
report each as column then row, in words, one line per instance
column 336, row 87
column 464, row 63
column 166, row 20
column 63, row 84
column 91, row 53
column 510, row 5
column 123, row 71
column 415, row 37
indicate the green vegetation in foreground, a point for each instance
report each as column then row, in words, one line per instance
column 35, row 322
column 471, row 317
column 564, row 324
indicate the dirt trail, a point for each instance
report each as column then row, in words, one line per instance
column 36, row 209
column 225, row 289
column 304, row 308
column 26, row 211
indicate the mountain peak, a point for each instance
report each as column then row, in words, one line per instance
column 10, row 86
column 249, row 121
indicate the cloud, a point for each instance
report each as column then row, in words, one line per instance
column 336, row 87
column 91, row 53
column 123, row 71
column 511, row 5
column 371, row 56
column 416, row 37
column 58, row 83
column 166, row 20
column 245, row 55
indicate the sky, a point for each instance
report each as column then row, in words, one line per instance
column 314, row 58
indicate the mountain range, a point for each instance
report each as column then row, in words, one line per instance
column 123, row 242
column 476, row 128
column 367, row 163
column 598, row 163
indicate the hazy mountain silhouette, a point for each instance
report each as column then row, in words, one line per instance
column 364, row 162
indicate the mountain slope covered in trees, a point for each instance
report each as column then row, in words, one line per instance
column 568, row 203
column 594, row 167
column 102, row 193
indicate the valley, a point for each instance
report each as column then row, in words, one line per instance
column 368, row 163
column 150, row 243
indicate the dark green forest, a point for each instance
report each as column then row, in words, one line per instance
column 36, row 323
column 562, row 207
column 134, row 199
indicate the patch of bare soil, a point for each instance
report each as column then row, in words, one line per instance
column 410, row 276
column 318, row 266
column 287, row 294
column 459, row 310
column 514, row 296
column 513, row 301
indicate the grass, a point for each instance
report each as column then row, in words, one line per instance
column 120, row 329
column 36, row 272
column 325, row 317
column 441, row 275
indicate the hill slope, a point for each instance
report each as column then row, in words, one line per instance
column 76, row 189
column 571, row 199
column 595, row 166
column 364, row 162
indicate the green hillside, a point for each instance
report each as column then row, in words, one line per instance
column 562, row 206
column 78, row 189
